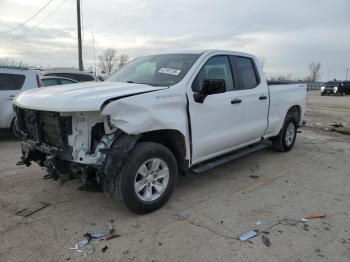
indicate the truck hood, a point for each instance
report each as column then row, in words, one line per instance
column 87, row 96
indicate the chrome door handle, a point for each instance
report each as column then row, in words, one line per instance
column 236, row 101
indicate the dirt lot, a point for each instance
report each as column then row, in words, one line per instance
column 206, row 214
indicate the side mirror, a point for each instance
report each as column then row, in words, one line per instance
column 210, row 87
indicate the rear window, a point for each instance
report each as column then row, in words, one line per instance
column 77, row 77
column 50, row 82
column 11, row 81
column 246, row 73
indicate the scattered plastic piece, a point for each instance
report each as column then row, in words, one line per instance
column 303, row 219
column 254, row 176
column 258, row 222
column 78, row 246
column 336, row 124
column 266, row 240
column 247, row 235
column 95, row 235
column 112, row 236
column 104, row 249
column 29, row 211
column 313, row 215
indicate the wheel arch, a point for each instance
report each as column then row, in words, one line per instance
column 295, row 110
column 172, row 139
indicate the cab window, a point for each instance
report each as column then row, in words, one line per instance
column 217, row 67
column 246, row 71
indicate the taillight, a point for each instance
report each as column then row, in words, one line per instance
column 38, row 80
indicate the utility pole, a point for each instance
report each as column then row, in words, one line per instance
column 347, row 73
column 93, row 46
column 80, row 53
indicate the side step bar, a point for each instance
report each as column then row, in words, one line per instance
column 228, row 157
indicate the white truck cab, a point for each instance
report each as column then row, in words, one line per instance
column 159, row 115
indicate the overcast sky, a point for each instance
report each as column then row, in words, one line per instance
column 289, row 34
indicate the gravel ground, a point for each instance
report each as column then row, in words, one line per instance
column 207, row 212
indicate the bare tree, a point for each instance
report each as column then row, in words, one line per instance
column 314, row 71
column 110, row 61
column 9, row 62
column 123, row 59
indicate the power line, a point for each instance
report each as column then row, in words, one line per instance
column 25, row 22
column 51, row 13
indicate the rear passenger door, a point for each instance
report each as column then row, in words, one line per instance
column 10, row 85
column 254, row 95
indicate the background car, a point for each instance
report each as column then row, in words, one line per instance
column 346, row 87
column 56, row 80
column 77, row 75
column 332, row 87
column 14, row 80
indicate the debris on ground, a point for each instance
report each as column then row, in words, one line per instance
column 265, row 240
column 78, row 246
column 95, row 235
column 104, row 249
column 180, row 217
column 29, row 211
column 83, row 247
column 258, row 223
column 336, row 124
column 247, row 235
column 112, row 237
column 254, row 176
column 342, row 130
column 313, row 215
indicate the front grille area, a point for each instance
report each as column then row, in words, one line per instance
column 44, row 126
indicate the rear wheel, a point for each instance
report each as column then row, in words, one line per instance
column 147, row 178
column 286, row 138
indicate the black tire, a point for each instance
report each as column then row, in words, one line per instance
column 322, row 94
column 279, row 142
column 124, row 189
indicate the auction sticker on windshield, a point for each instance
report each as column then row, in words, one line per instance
column 169, row 71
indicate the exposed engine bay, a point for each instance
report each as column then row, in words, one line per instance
column 72, row 144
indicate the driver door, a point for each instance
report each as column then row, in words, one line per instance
column 216, row 124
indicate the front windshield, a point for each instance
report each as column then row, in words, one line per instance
column 156, row 70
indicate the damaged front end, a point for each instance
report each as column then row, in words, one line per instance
column 69, row 145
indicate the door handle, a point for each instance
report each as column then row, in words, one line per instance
column 11, row 97
column 263, row 97
column 236, row 101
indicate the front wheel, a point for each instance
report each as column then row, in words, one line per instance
column 286, row 138
column 147, row 178
column 322, row 94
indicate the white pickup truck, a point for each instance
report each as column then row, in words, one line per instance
column 160, row 115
